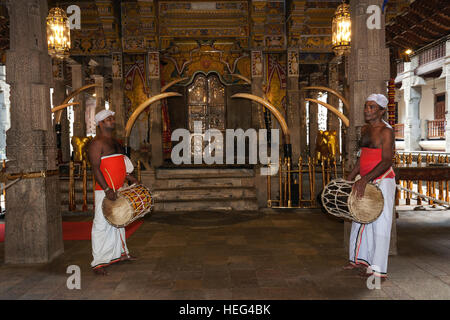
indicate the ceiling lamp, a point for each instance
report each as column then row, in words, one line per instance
column 342, row 30
column 58, row 33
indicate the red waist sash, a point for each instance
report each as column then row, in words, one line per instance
column 369, row 159
column 114, row 166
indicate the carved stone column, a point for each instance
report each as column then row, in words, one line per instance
column 79, row 120
column 412, row 93
column 155, row 111
column 117, row 103
column 33, row 227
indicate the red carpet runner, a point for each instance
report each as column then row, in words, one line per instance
column 80, row 230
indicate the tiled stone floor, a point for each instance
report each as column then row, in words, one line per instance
column 264, row 255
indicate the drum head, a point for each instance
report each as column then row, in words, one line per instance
column 117, row 212
column 369, row 208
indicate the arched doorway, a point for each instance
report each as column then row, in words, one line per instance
column 206, row 104
column 206, row 99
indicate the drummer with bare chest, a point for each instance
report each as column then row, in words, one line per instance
column 369, row 243
column 109, row 166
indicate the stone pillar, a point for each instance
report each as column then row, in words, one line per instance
column 446, row 70
column 59, row 94
column 368, row 73
column 293, row 93
column 33, row 227
column 99, row 93
column 156, row 158
column 412, row 94
column 117, row 103
column 333, row 83
column 79, row 120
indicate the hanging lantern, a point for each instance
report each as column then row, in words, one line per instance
column 58, row 33
column 342, row 30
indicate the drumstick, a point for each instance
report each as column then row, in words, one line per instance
column 112, row 183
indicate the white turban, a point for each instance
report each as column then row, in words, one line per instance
column 380, row 99
column 102, row 115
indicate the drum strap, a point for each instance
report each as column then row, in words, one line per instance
column 384, row 175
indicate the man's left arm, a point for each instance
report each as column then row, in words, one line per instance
column 387, row 153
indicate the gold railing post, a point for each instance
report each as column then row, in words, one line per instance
column 323, row 175
column 280, row 177
column 269, row 182
column 285, row 182
column 84, row 186
column 289, row 181
column 300, row 181
column 335, row 168
column 311, row 180
column 72, row 205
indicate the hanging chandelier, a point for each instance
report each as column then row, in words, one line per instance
column 58, row 33
column 342, row 30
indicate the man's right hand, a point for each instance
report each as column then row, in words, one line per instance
column 111, row 195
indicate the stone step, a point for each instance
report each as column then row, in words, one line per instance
column 207, row 205
column 199, row 194
column 192, row 173
column 204, row 182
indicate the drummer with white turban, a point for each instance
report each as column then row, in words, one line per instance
column 110, row 168
column 369, row 243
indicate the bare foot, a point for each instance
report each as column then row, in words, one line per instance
column 128, row 258
column 366, row 272
column 351, row 266
column 100, row 271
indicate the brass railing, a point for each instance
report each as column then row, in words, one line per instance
column 434, row 187
column 288, row 182
column 286, row 188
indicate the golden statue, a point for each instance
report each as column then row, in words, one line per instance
column 79, row 145
column 326, row 146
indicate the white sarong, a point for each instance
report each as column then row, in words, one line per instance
column 369, row 243
column 108, row 242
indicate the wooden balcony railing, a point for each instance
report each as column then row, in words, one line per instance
column 436, row 129
column 399, row 131
column 431, row 54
